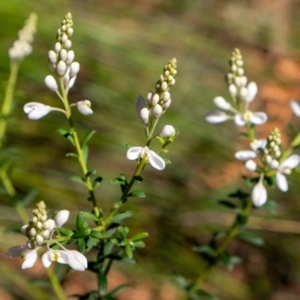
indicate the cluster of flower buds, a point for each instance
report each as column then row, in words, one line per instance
column 270, row 155
column 242, row 95
column 61, row 59
column 22, row 46
column 39, row 229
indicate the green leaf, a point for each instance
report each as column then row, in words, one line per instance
column 91, row 242
column 204, row 249
column 96, row 182
column 90, row 172
column 128, row 145
column 242, row 219
column 121, row 216
column 128, row 251
column 239, row 194
column 206, row 295
column 117, row 289
column 137, row 193
column 102, row 283
column 81, row 245
column 78, row 179
column 96, row 234
column 227, row 203
column 271, row 206
column 139, row 236
column 13, row 228
column 71, row 154
column 81, row 234
column 63, row 231
column 91, row 216
column 85, row 152
column 167, row 161
column 250, row 238
column 81, row 224
column 139, row 244
column 123, row 231
column 29, row 197
column 67, row 135
column 87, row 137
column 138, row 178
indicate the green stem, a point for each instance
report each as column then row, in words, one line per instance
column 79, row 150
column 56, row 284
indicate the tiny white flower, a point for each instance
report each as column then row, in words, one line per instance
column 60, row 256
column 145, row 153
column 284, row 169
column 259, row 193
column 168, row 130
column 245, row 155
column 295, row 106
column 61, row 217
column 216, row 117
column 256, row 118
column 28, row 255
column 36, row 110
column 84, row 107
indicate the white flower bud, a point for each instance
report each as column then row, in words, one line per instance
column 238, row 81
column 64, row 38
column 63, row 54
column 243, row 92
column 233, row 68
column 274, row 164
column 74, row 69
column 259, row 194
column 68, row 44
column 52, row 56
column 34, row 219
column 243, row 80
column 172, row 82
column 23, row 229
column 32, row 231
column 61, row 68
column 84, row 107
column 221, row 103
column 167, row 104
column 170, row 78
column 70, row 57
column 167, row 131
column 155, row 99
column 51, row 83
column 144, row 115
column 166, row 96
column 240, row 71
column 39, row 225
column 149, row 98
column 250, row 165
column 46, row 234
column 157, row 110
column 70, row 31
column 164, row 86
column 39, row 239
column 62, row 217
column 239, row 63
column 57, row 47
column 232, row 90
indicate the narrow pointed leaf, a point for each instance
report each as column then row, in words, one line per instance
column 87, row 137
column 137, row 193
column 251, row 238
column 78, row 179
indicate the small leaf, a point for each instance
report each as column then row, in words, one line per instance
column 204, row 249
column 227, row 203
column 128, row 251
column 81, row 224
column 81, row 234
column 138, row 178
column 139, row 236
column 137, row 193
column 96, row 182
column 81, row 245
column 128, row 145
column 91, row 216
column 78, row 179
column 95, row 234
column 85, row 152
column 139, row 244
column 123, row 231
column 102, row 283
column 206, row 295
column 121, row 216
column 63, row 231
column 87, row 137
column 71, row 154
column 117, row 289
column 242, row 219
column 271, row 206
column 167, row 161
column 90, row 172
column 251, row 238
column 13, row 228
column 239, row 194
column 67, row 135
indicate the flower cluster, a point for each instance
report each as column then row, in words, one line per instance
column 22, row 46
column 150, row 111
column 61, row 60
column 39, row 232
column 242, row 93
column 270, row 155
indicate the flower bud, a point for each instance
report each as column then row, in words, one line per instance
column 166, row 96
column 149, row 98
column 61, row 217
column 243, row 92
column 164, row 85
column 70, row 57
column 63, row 54
column 232, row 90
column 259, row 194
column 74, row 69
column 68, row 44
column 221, row 103
column 57, row 47
column 61, row 68
column 155, row 99
column 39, row 239
column 167, row 104
column 157, row 111
column 52, row 56
column 84, row 107
column 32, row 231
column 144, row 115
column 64, row 38
column 51, row 83
column 167, row 131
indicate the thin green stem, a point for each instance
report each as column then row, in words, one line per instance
column 56, row 284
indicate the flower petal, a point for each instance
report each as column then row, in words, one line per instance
column 16, row 251
column 77, row 261
column 239, row 120
column 84, row 107
column 134, row 153
column 291, row 162
column 245, row 155
column 252, row 91
column 156, row 161
column 258, row 145
column 61, row 218
column 295, row 106
column 281, row 182
column 258, row 118
column 216, row 117
column 259, row 194
column 30, row 259
column 46, row 260
column 36, row 110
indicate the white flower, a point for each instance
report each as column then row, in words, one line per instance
column 256, row 146
column 259, row 193
column 28, row 255
column 73, row 258
column 295, row 107
column 84, row 107
column 145, row 153
column 285, row 168
column 61, row 218
column 36, row 110
column 256, row 118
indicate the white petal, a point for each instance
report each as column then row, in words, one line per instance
column 16, row 251
column 216, row 117
column 61, row 218
column 291, row 162
column 46, row 260
column 281, row 182
column 220, row 102
column 77, row 261
column 71, row 82
column 259, row 118
column 36, row 110
column 134, row 153
column 245, row 155
column 167, row 131
column 156, row 161
column 30, row 259
column 252, row 91
column 251, row 165
column 259, row 194
column 84, row 107
column 295, row 106
column 239, row 120
column 258, row 145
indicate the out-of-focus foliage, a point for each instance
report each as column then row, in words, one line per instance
column 122, row 47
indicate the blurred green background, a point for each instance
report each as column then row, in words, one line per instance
column 122, row 47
